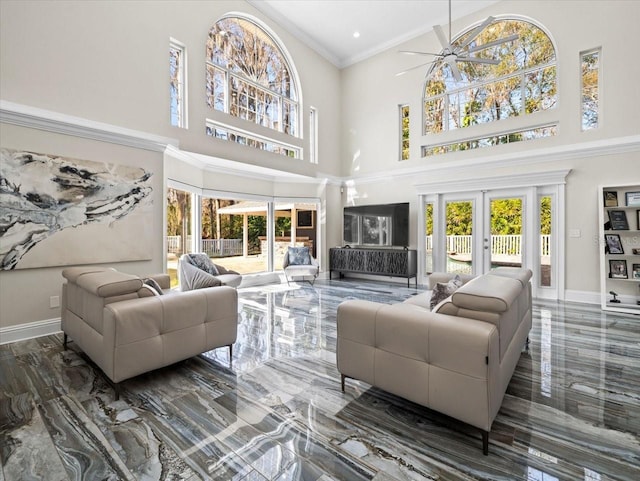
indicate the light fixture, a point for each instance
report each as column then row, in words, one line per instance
column 356, row 34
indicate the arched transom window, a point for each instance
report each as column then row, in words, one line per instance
column 249, row 77
column 523, row 82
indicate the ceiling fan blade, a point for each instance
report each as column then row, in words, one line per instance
column 454, row 69
column 442, row 38
column 413, row 68
column 489, row 61
column 500, row 41
column 412, row 52
column 476, row 32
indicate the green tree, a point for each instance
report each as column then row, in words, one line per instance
column 478, row 99
column 459, row 218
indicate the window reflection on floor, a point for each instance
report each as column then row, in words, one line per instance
column 545, row 352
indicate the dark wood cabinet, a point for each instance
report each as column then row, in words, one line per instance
column 379, row 262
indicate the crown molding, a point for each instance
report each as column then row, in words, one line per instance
column 240, row 169
column 550, row 177
column 47, row 120
column 596, row 148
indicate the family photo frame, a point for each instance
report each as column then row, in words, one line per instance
column 618, row 269
column 614, row 244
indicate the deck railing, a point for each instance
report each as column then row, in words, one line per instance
column 510, row 245
column 212, row 247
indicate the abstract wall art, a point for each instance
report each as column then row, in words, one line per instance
column 57, row 211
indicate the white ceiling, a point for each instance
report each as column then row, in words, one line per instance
column 327, row 26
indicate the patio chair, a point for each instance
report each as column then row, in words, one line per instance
column 196, row 271
column 298, row 262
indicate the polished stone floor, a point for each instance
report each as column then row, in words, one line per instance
column 571, row 412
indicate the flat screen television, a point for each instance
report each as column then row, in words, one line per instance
column 382, row 225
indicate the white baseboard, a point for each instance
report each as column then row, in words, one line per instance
column 584, row 297
column 29, row 330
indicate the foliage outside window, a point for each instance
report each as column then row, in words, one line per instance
column 522, row 83
column 179, row 228
column 404, row 132
column 244, row 138
column 590, row 62
column 249, row 77
column 177, row 84
column 428, row 222
column 545, row 241
column 504, row 138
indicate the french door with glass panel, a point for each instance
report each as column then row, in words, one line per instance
column 474, row 232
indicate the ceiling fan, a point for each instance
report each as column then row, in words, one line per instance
column 460, row 53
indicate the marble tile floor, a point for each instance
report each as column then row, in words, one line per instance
column 571, row 412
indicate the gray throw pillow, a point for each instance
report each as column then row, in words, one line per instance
column 202, row 262
column 147, row 291
column 443, row 290
column 299, row 256
column 153, row 284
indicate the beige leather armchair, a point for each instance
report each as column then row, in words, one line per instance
column 126, row 332
column 457, row 360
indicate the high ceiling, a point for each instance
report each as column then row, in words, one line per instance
column 328, row 26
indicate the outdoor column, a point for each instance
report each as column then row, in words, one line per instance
column 294, row 225
column 245, row 235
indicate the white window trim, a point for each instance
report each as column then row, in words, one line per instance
column 289, row 60
column 246, row 133
column 597, row 50
column 313, row 135
column 401, row 107
column 498, row 18
column 182, row 106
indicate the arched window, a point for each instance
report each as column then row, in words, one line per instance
column 523, row 82
column 248, row 75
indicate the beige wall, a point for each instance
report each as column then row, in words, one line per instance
column 107, row 62
column 371, row 93
column 25, row 293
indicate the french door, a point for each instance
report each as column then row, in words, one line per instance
column 476, row 231
column 484, row 230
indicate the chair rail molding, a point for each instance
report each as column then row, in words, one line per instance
column 47, row 120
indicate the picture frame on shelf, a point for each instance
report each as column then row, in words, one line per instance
column 610, row 198
column 632, row 199
column 618, row 269
column 618, row 219
column 635, row 271
column 614, row 244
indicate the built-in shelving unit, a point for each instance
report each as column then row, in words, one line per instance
column 619, row 217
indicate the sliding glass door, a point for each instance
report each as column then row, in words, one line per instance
column 245, row 233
